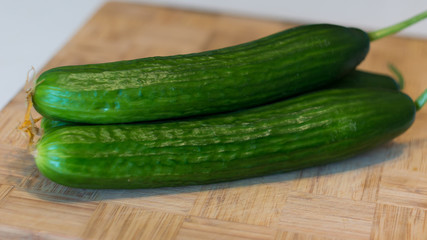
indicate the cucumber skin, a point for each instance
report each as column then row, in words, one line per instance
column 355, row 79
column 284, row 64
column 49, row 124
column 305, row 131
column 364, row 79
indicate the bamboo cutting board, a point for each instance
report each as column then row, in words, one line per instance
column 379, row 195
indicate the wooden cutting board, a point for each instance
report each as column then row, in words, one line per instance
column 379, row 195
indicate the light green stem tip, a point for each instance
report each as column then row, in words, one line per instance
column 421, row 100
column 375, row 35
column 398, row 74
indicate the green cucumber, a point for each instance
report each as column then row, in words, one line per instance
column 308, row 130
column 284, row 64
column 281, row 65
column 47, row 124
column 356, row 79
column 364, row 79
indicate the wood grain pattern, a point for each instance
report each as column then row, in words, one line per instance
column 16, row 164
column 403, row 188
column 203, row 228
column 252, row 202
column 178, row 200
column 301, row 236
column 381, row 194
column 397, row 222
column 117, row 221
column 4, row 192
column 327, row 216
column 43, row 212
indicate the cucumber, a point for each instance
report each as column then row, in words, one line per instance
column 364, row 79
column 265, row 70
column 356, row 79
column 284, row 64
column 308, row 130
column 47, row 124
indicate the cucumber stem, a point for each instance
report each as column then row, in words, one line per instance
column 398, row 74
column 375, row 35
column 29, row 125
column 421, row 100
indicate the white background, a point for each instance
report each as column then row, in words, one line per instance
column 32, row 31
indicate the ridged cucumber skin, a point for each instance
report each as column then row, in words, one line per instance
column 274, row 67
column 355, row 79
column 305, row 131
